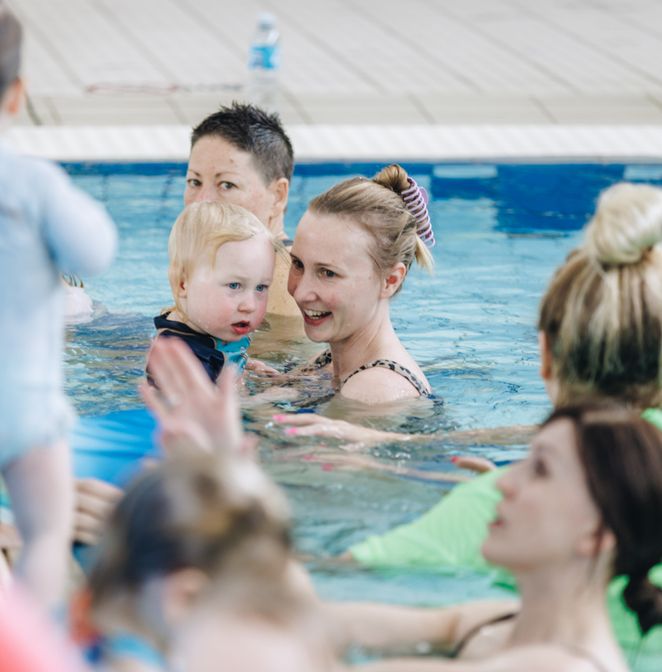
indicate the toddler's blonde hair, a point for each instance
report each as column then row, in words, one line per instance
column 199, row 232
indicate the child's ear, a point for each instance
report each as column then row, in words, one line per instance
column 545, row 356
column 393, row 280
column 182, row 287
column 181, row 591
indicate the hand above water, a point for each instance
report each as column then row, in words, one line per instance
column 94, row 502
column 193, row 413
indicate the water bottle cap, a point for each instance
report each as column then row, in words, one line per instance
column 266, row 20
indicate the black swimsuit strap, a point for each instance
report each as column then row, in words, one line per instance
column 397, row 368
column 571, row 648
column 461, row 645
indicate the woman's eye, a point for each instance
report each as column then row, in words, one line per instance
column 192, row 182
column 262, row 288
column 296, row 263
column 226, row 186
column 234, row 285
column 325, row 272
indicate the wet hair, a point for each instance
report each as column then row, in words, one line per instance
column 621, row 455
column 196, row 513
column 11, row 39
column 602, row 312
column 254, row 131
column 377, row 207
column 200, row 230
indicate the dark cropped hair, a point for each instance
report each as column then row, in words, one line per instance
column 255, row 131
column 11, row 39
column 622, row 459
column 191, row 513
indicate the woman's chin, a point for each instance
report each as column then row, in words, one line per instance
column 491, row 552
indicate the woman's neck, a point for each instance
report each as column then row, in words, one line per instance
column 560, row 606
column 376, row 340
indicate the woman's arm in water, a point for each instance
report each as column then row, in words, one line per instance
column 311, row 424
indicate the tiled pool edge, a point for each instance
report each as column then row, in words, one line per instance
column 358, row 143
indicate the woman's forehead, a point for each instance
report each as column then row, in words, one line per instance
column 558, row 441
column 323, row 235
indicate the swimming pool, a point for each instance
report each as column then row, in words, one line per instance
column 501, row 231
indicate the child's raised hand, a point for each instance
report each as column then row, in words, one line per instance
column 191, row 410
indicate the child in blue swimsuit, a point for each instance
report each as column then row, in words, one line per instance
column 47, row 227
column 221, row 265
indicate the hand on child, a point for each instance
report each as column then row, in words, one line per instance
column 260, row 368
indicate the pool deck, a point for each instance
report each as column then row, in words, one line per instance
column 379, row 79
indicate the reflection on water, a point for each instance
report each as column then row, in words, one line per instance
column 105, row 361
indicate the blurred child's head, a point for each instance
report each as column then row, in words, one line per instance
column 180, row 528
column 11, row 40
column 221, row 265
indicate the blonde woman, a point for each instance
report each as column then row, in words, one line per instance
column 351, row 254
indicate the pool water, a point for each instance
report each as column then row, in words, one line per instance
column 501, row 231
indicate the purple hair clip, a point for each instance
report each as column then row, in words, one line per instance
column 416, row 201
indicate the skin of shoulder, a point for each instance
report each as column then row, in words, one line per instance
column 541, row 657
column 378, row 386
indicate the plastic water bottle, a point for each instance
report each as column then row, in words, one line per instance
column 263, row 63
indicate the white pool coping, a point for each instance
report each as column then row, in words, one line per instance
column 359, row 143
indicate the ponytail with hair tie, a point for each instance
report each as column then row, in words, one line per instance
column 416, row 201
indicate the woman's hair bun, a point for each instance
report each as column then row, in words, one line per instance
column 626, row 225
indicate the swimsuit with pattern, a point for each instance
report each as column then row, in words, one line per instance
column 326, row 358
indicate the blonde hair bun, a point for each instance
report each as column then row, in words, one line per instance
column 626, row 224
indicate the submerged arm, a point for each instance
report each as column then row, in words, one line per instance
column 311, row 424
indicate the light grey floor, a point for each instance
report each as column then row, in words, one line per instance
column 115, row 62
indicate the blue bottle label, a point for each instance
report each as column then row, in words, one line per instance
column 264, row 57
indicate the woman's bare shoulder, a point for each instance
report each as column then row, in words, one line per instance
column 378, row 385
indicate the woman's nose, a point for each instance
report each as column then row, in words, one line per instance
column 506, row 483
column 301, row 288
